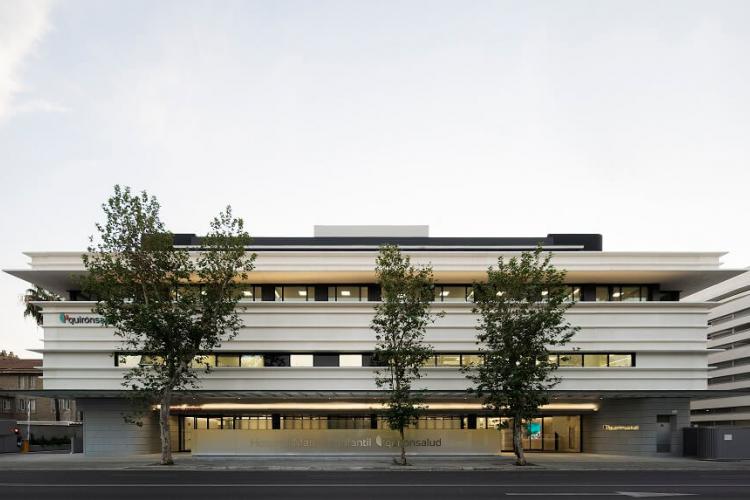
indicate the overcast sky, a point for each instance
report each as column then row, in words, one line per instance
column 498, row 118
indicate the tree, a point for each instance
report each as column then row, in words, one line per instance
column 7, row 355
column 37, row 294
column 400, row 322
column 521, row 311
column 165, row 303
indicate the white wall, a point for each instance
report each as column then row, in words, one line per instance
column 668, row 339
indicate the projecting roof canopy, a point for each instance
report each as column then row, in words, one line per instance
column 685, row 281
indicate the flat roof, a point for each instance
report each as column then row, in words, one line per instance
column 557, row 242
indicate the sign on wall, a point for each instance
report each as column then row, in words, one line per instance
column 607, row 427
column 354, row 441
column 80, row 319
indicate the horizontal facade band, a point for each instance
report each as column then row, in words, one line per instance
column 358, row 395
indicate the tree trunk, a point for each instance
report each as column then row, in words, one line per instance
column 166, row 445
column 517, row 443
column 403, row 447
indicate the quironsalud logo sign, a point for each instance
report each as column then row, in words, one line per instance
column 80, row 319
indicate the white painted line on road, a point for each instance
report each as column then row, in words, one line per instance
column 382, row 485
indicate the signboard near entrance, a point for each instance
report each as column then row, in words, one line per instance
column 344, row 441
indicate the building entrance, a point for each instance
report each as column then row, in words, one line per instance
column 548, row 434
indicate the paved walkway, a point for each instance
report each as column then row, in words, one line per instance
column 540, row 461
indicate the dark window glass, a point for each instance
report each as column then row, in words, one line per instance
column 631, row 294
column 275, row 360
column 574, row 294
column 325, row 360
column 371, row 359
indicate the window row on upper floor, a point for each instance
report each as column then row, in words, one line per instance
column 444, row 293
column 368, row 359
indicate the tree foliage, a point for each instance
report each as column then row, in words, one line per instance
column 521, row 314
column 166, row 303
column 400, row 322
column 37, row 294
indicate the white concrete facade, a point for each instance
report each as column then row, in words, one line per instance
column 729, row 359
column 669, row 341
column 666, row 339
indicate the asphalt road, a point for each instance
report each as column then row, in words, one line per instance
column 411, row 485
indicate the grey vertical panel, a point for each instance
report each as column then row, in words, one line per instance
column 639, row 412
column 105, row 432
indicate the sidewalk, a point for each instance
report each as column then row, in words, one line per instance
column 541, row 461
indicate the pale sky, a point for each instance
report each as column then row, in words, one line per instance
column 481, row 118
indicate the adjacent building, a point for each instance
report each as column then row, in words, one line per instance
column 729, row 360
column 20, row 375
column 299, row 377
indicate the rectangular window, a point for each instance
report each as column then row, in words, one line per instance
column 621, row 360
column 251, row 361
column 631, row 294
column 448, row 360
column 347, row 293
column 149, row 360
column 369, row 359
column 27, row 405
column 553, row 359
column 276, row 360
column 471, row 359
column 595, row 360
column 323, row 360
column 429, row 362
column 617, row 293
column 452, row 293
column 350, row 360
column 571, row 360
column 228, row 360
column 574, row 294
column 295, row 293
column 127, row 360
column 301, row 360
column 252, row 292
column 203, row 361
